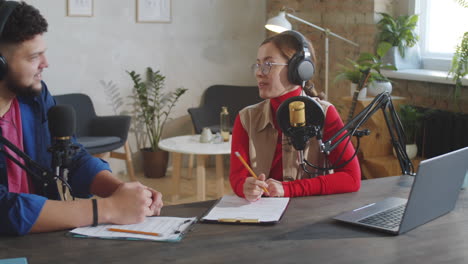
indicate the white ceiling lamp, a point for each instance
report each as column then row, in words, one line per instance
column 278, row 23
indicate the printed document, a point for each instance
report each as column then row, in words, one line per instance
column 267, row 209
column 169, row 229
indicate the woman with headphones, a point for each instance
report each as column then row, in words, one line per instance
column 284, row 66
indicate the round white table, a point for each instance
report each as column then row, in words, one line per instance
column 191, row 145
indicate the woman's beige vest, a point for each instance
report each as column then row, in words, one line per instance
column 258, row 122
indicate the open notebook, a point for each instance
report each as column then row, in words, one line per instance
column 234, row 209
column 169, row 229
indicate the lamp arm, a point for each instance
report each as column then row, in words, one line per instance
column 382, row 101
column 328, row 32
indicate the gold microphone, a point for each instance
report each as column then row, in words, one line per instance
column 297, row 114
column 297, row 119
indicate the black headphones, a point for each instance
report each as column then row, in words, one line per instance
column 300, row 66
column 5, row 11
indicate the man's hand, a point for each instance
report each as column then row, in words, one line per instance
column 131, row 203
column 157, row 203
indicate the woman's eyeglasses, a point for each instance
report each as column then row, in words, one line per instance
column 265, row 67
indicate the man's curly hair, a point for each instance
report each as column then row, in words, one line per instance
column 23, row 24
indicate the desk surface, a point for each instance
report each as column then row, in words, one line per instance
column 306, row 234
column 191, row 145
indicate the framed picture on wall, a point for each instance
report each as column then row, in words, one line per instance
column 149, row 11
column 81, row 8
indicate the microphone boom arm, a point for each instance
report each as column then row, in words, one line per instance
column 45, row 175
column 382, row 101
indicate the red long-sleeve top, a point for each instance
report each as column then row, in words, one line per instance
column 346, row 179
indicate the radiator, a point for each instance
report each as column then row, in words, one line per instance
column 442, row 132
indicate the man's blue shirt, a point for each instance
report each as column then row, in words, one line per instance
column 19, row 212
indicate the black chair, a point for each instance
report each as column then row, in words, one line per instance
column 216, row 96
column 99, row 135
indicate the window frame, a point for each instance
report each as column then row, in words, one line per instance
column 430, row 60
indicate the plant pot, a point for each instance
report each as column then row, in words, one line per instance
column 154, row 163
column 411, row 150
column 378, row 87
column 362, row 92
column 465, row 182
column 412, row 59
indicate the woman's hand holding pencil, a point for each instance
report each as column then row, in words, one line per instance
column 254, row 186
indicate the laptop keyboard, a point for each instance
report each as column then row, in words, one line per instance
column 390, row 218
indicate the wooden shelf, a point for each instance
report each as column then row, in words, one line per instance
column 384, row 166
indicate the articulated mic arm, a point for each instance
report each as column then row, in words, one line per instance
column 382, row 101
column 32, row 167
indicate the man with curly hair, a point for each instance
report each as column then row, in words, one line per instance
column 26, row 204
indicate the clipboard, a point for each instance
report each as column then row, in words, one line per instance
column 169, row 229
column 231, row 209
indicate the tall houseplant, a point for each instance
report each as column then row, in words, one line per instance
column 411, row 120
column 459, row 67
column 152, row 109
column 400, row 33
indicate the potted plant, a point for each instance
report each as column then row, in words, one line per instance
column 459, row 67
column 378, row 84
column 400, row 33
column 353, row 74
column 369, row 67
column 411, row 119
column 152, row 109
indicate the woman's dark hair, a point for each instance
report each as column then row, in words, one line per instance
column 288, row 45
column 24, row 23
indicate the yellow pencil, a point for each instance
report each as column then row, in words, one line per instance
column 133, row 231
column 249, row 169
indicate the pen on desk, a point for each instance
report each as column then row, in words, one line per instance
column 133, row 231
column 249, row 169
column 237, row 220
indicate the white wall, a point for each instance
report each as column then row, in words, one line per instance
column 207, row 42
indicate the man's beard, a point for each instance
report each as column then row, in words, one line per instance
column 19, row 90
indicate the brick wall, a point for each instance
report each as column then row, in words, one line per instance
column 431, row 95
column 355, row 20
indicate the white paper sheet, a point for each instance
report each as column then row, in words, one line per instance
column 169, row 228
column 234, row 207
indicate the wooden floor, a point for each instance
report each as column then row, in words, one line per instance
column 188, row 185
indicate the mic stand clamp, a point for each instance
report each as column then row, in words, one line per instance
column 361, row 133
column 299, row 136
column 62, row 154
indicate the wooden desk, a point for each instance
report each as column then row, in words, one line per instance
column 191, row 145
column 307, row 233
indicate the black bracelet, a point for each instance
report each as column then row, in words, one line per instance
column 95, row 213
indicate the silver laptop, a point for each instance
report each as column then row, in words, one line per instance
column 434, row 193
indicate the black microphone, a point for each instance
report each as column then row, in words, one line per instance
column 300, row 118
column 62, row 127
